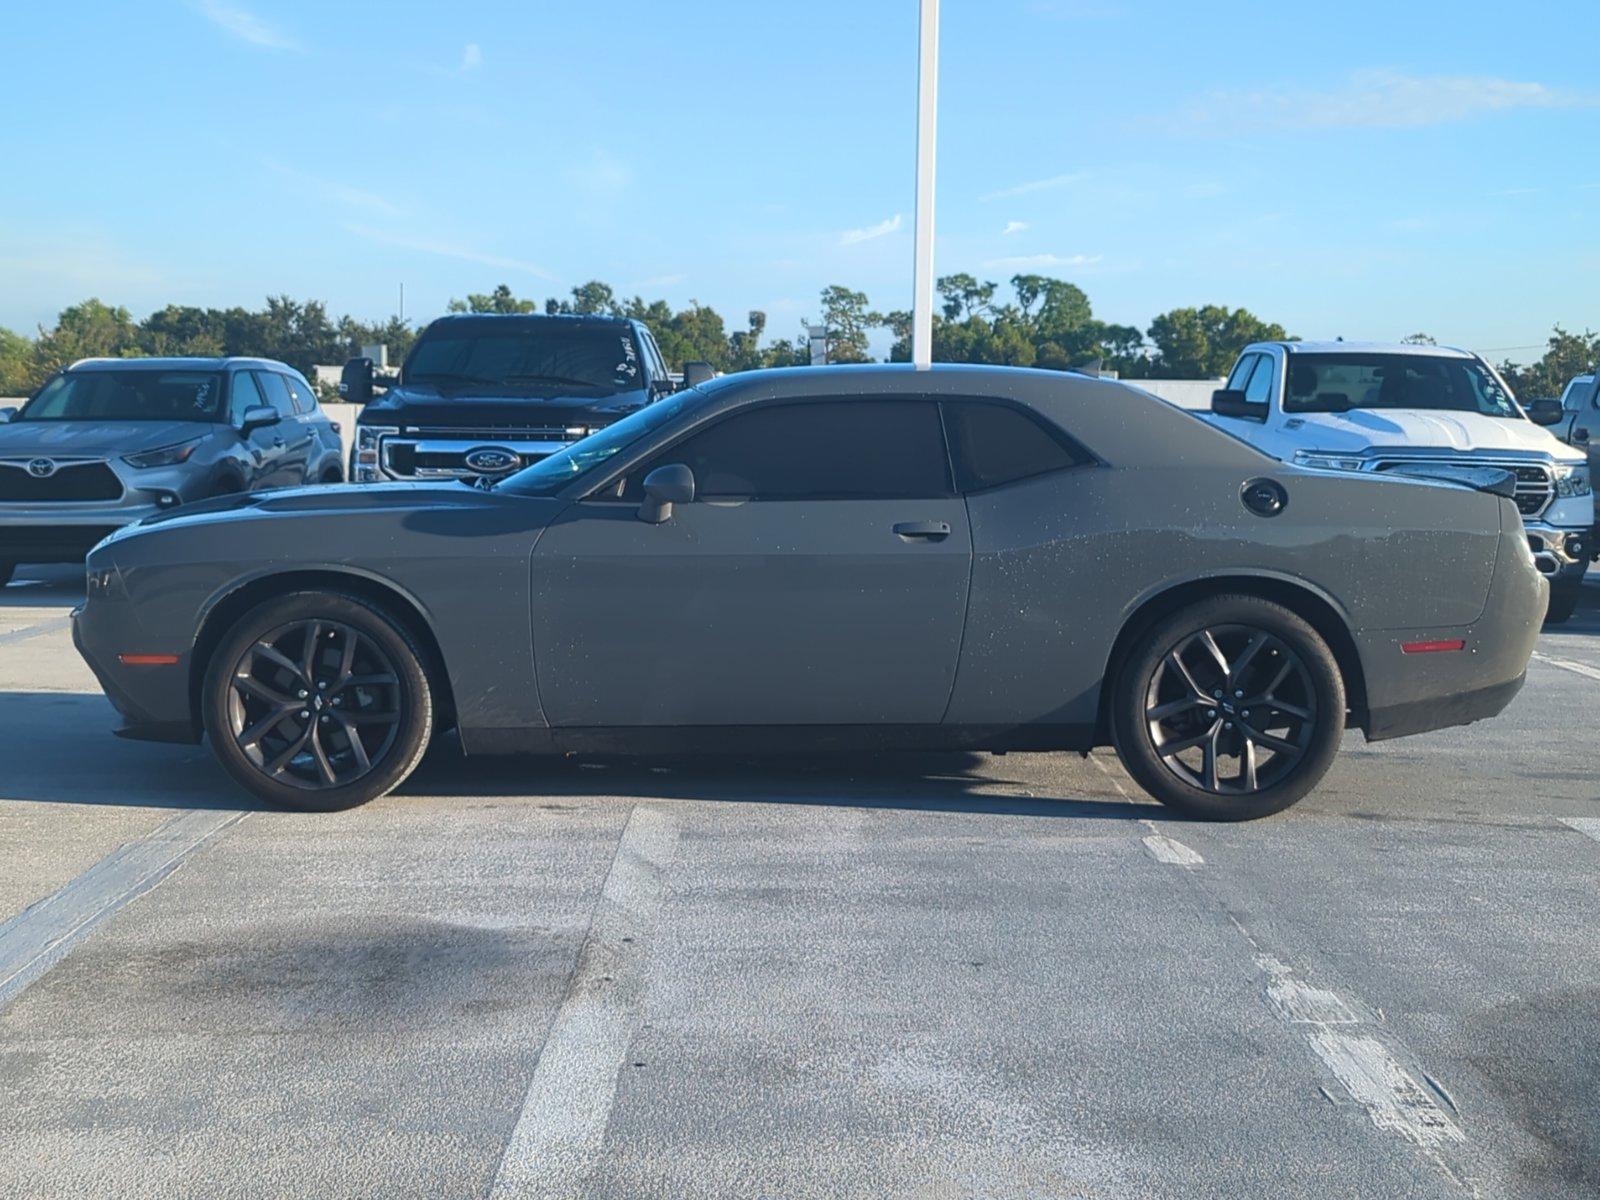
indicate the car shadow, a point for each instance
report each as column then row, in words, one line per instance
column 1587, row 617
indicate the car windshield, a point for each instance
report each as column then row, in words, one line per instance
column 1340, row 382
column 518, row 356
column 550, row 475
column 131, row 395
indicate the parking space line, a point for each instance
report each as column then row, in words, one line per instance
column 41, row 935
column 1589, row 826
column 53, row 625
column 1170, row 850
column 1566, row 664
column 564, row 1116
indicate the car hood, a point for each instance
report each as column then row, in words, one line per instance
column 420, row 405
column 1458, row 432
column 93, row 439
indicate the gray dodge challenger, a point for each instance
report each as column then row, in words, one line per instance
column 855, row 558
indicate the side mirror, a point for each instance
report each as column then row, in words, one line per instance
column 1226, row 402
column 697, row 372
column 7, row 413
column 355, row 381
column 258, row 416
column 1545, row 412
column 664, row 487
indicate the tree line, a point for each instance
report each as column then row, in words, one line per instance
column 1038, row 322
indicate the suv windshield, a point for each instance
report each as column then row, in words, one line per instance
column 131, row 395
column 550, row 475
column 1339, row 382
column 522, row 356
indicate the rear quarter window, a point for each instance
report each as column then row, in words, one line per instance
column 995, row 444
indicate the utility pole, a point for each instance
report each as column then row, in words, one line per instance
column 927, row 120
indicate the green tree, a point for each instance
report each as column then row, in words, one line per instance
column 1566, row 354
column 16, row 364
column 87, row 330
column 1202, row 343
column 501, row 300
column 847, row 317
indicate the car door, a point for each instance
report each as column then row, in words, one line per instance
column 1585, row 401
column 818, row 578
column 263, row 446
column 293, row 436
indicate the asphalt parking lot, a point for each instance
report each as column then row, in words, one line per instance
column 924, row 976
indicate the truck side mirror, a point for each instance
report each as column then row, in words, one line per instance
column 697, row 372
column 1545, row 411
column 664, row 487
column 355, row 381
column 1227, row 402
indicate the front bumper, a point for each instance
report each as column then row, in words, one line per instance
column 1560, row 554
column 153, row 702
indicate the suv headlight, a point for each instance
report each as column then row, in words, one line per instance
column 1573, row 481
column 1329, row 460
column 166, row 456
column 366, row 464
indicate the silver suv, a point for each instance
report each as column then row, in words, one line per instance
column 110, row 440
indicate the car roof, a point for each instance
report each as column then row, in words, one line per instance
column 179, row 363
column 1411, row 348
column 490, row 319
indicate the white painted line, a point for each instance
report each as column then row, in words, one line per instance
column 1170, row 850
column 1566, row 664
column 32, row 631
column 1374, row 1078
column 1584, row 825
column 557, row 1137
column 41, row 935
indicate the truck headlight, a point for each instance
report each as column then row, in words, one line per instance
column 1573, row 481
column 1329, row 460
column 166, row 456
column 366, row 454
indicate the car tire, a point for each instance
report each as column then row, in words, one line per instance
column 1179, row 722
column 358, row 671
column 1564, row 599
column 7, row 569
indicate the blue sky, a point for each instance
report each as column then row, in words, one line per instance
column 1403, row 167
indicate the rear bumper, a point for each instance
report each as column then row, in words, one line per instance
column 1462, row 708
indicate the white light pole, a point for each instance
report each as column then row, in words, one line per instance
column 927, row 119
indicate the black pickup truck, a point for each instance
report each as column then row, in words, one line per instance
column 484, row 395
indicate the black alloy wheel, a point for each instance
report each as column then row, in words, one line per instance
column 318, row 701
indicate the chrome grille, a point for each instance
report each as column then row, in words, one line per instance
column 1536, row 486
column 443, row 454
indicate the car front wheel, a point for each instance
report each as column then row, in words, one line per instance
column 318, row 700
column 1231, row 708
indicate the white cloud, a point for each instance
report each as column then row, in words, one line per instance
column 852, row 237
column 602, row 175
column 1013, row 227
column 334, row 190
column 449, row 250
column 1040, row 262
column 1375, row 99
column 1033, row 185
column 471, row 57
column 246, row 26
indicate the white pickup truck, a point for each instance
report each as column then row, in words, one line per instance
column 1346, row 406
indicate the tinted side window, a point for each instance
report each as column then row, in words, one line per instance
column 246, row 395
column 272, row 386
column 304, row 401
column 992, row 444
column 819, row 450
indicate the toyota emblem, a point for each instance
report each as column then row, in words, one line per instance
column 42, row 468
column 491, row 460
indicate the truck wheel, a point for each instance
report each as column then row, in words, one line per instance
column 1231, row 708
column 318, row 700
column 1564, row 597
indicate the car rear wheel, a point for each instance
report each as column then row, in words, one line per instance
column 318, row 700
column 1564, row 599
column 1229, row 709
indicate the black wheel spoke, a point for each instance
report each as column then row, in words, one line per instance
column 316, row 704
column 1210, row 643
column 1173, row 707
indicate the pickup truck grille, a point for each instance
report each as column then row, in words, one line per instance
column 1536, row 486
column 430, row 453
column 70, row 481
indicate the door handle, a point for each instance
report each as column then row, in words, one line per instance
column 931, row 531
